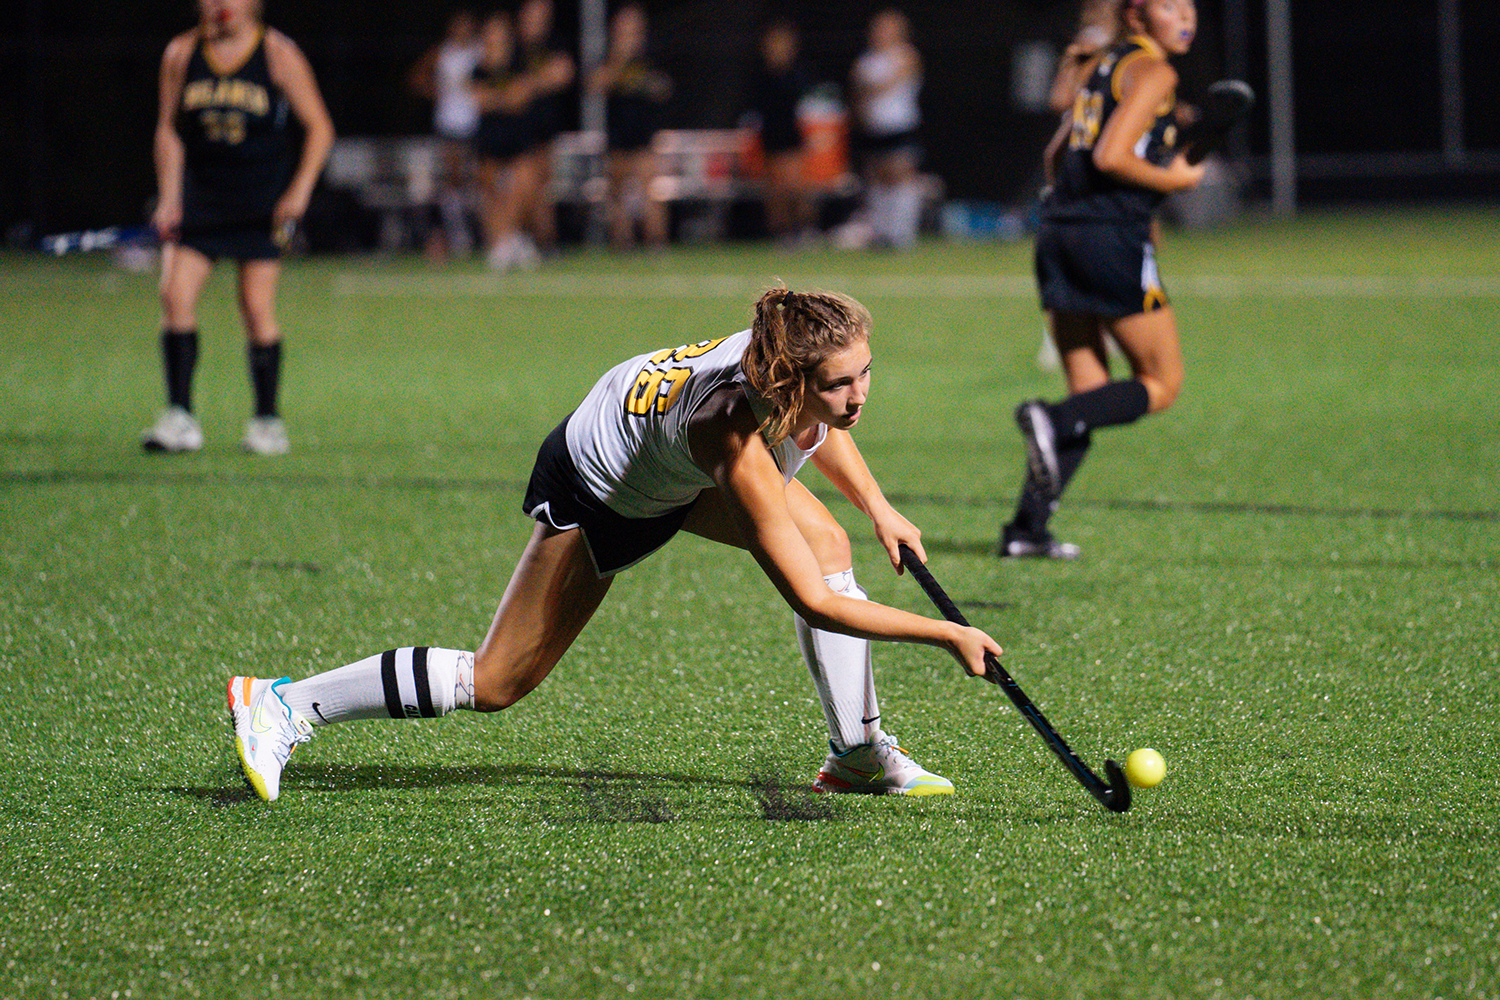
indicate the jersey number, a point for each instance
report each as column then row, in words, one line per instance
column 227, row 127
column 658, row 386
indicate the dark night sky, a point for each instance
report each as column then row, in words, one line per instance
column 78, row 81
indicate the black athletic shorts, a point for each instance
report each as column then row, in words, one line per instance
column 502, row 137
column 1105, row 269
column 235, row 242
column 557, row 496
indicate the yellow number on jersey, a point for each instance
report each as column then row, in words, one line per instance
column 224, row 126
column 659, row 387
column 656, row 388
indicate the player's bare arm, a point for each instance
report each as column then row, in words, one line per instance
column 293, row 74
column 840, row 460
column 167, row 146
column 1146, row 86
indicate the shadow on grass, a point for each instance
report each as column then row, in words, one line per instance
column 566, row 795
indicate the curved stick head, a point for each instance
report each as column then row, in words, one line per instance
column 1116, row 798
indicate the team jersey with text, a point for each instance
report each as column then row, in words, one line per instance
column 628, row 437
column 234, row 127
column 1082, row 191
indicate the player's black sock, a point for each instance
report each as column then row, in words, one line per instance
column 1034, row 509
column 179, row 355
column 265, row 376
column 1111, row 404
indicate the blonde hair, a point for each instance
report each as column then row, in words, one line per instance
column 791, row 334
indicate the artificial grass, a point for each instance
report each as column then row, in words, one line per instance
column 1289, row 589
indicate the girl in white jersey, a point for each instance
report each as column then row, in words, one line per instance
column 886, row 80
column 442, row 76
column 704, row 437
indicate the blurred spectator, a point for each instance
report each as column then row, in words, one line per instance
column 500, row 143
column 885, row 81
column 550, row 70
column 779, row 85
column 636, row 92
column 442, row 76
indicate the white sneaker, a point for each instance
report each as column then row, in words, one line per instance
column 266, row 732
column 879, row 768
column 175, row 430
column 265, row 436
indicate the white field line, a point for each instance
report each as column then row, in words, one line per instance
column 357, row 284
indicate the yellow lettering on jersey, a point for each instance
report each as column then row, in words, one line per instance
column 241, row 95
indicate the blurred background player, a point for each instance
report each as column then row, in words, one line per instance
column 636, row 92
column 1098, row 23
column 707, row 438
column 501, row 140
column 230, row 185
column 1109, row 166
column 442, row 76
column 779, row 84
column 777, row 89
column 885, row 81
column 546, row 64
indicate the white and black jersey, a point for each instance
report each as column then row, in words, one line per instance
column 628, row 438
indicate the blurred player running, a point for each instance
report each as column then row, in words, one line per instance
column 230, row 186
column 706, row 438
column 1110, row 165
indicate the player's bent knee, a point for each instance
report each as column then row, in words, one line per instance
column 1163, row 393
column 830, row 545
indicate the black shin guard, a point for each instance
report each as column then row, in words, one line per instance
column 1110, row 405
column 265, row 376
column 179, row 357
column 1034, row 508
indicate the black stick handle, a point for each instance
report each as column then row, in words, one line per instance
column 993, row 672
column 1113, row 795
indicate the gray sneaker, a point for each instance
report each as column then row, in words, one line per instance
column 265, row 436
column 175, row 430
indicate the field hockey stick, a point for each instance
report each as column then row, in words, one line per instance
column 1115, row 795
column 1226, row 104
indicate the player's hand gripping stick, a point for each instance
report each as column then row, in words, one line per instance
column 1114, row 795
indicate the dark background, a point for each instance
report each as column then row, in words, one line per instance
column 78, row 85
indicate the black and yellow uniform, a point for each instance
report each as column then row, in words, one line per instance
column 1094, row 252
column 635, row 102
column 238, row 155
column 501, row 134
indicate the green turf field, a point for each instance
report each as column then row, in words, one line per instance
column 1289, row 589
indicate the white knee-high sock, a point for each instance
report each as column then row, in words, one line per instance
column 413, row 682
column 841, row 671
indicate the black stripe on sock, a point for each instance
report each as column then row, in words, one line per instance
column 392, row 688
column 419, row 678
